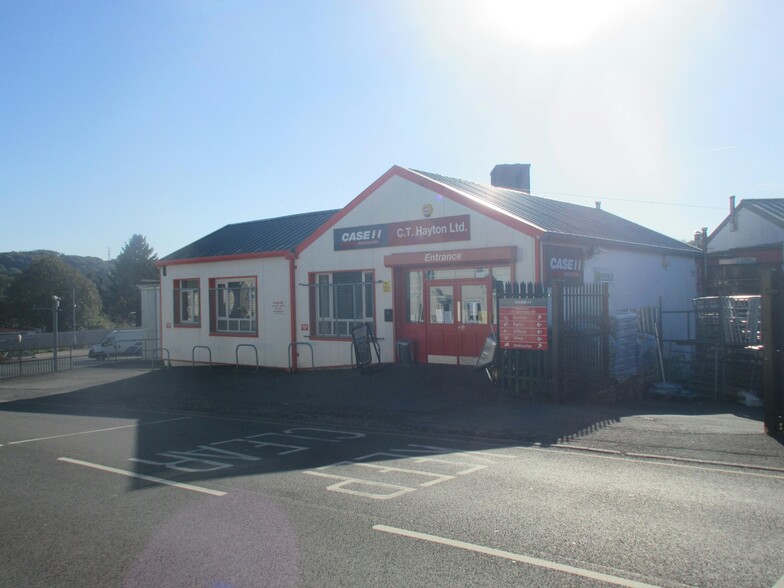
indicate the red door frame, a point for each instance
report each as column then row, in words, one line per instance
column 458, row 338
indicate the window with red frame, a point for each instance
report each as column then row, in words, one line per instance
column 233, row 306
column 187, row 303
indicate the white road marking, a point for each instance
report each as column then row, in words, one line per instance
column 97, row 431
column 143, row 477
column 477, row 454
column 780, row 583
column 470, row 469
column 345, row 481
column 534, row 561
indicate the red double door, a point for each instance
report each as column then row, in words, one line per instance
column 457, row 318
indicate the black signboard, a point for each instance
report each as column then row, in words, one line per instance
column 563, row 264
column 362, row 337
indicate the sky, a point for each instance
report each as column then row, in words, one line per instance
column 172, row 119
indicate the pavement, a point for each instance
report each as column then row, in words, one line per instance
column 428, row 399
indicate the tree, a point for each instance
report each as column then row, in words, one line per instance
column 51, row 276
column 134, row 264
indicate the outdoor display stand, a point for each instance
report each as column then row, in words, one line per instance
column 364, row 343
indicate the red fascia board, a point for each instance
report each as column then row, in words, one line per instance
column 396, row 170
column 259, row 255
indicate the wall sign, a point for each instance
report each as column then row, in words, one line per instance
column 418, row 232
column 563, row 264
column 491, row 255
column 523, row 323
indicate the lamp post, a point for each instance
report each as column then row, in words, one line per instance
column 55, row 309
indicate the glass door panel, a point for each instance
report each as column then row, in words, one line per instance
column 442, row 305
column 474, row 304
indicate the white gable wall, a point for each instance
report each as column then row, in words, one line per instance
column 752, row 231
column 397, row 200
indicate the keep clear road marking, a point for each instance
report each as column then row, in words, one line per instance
column 143, row 477
column 97, row 431
column 352, row 475
column 534, row 561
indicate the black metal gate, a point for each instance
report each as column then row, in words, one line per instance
column 577, row 356
column 773, row 351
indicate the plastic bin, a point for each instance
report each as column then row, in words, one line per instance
column 405, row 351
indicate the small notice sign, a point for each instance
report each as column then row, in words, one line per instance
column 523, row 323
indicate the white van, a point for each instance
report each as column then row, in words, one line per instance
column 119, row 343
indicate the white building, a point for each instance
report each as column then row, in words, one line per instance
column 416, row 255
column 748, row 242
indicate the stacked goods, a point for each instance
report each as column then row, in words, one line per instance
column 623, row 345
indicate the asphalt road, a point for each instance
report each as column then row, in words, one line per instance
column 134, row 497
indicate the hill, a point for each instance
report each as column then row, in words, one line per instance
column 94, row 268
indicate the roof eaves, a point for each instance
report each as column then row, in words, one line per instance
column 684, row 249
column 215, row 258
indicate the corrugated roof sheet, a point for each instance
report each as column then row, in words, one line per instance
column 561, row 218
column 260, row 236
column 771, row 209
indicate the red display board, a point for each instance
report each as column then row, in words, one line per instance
column 523, row 323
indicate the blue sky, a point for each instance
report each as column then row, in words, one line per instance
column 172, row 119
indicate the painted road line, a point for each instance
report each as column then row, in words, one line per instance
column 534, row 561
column 142, row 477
column 341, row 486
column 97, row 431
column 780, row 583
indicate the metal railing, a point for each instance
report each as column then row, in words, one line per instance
column 41, row 361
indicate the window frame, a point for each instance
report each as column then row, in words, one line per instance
column 224, row 284
column 178, row 290
column 328, row 308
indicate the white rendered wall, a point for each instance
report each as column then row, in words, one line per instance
column 273, row 314
column 637, row 279
column 396, row 200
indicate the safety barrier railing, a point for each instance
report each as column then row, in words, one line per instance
column 193, row 354
column 312, row 355
column 160, row 351
column 237, row 353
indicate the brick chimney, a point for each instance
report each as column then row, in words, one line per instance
column 516, row 176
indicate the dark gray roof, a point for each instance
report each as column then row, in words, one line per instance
column 562, row 220
column 261, row 236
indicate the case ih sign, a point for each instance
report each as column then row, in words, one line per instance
column 563, row 264
column 523, row 323
column 419, row 232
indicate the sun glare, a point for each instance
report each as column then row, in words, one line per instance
column 562, row 23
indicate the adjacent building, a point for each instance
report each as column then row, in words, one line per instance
column 747, row 243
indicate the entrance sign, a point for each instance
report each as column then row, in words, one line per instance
column 417, row 232
column 523, row 323
column 487, row 256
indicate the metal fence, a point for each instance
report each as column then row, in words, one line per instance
column 577, row 354
column 44, row 360
column 722, row 355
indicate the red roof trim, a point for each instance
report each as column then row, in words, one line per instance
column 427, row 183
column 348, row 208
column 239, row 256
